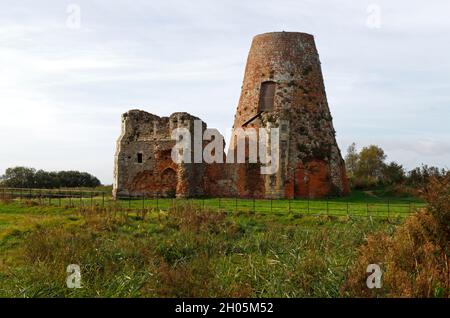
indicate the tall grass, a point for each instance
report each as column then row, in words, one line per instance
column 187, row 252
column 416, row 259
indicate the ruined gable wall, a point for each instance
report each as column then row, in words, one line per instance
column 150, row 135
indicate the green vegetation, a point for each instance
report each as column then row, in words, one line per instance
column 375, row 203
column 189, row 250
column 226, row 247
column 180, row 252
column 22, row 177
column 415, row 260
column 368, row 169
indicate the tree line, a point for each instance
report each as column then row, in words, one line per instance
column 23, row 177
column 368, row 168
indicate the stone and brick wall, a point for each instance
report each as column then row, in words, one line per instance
column 310, row 160
column 147, row 135
column 311, row 164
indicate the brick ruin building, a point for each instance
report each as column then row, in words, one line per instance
column 283, row 88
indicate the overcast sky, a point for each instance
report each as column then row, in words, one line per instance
column 64, row 85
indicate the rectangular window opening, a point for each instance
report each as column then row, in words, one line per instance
column 267, row 96
column 139, row 157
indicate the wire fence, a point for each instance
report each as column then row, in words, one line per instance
column 327, row 207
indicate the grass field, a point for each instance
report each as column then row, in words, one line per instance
column 360, row 203
column 182, row 252
column 208, row 247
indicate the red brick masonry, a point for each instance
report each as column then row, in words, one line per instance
column 287, row 65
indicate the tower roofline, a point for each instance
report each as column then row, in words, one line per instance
column 280, row 33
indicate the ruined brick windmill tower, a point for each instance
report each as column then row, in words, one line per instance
column 283, row 87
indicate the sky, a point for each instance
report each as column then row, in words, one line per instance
column 69, row 69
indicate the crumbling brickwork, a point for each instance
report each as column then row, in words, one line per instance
column 310, row 160
column 143, row 161
column 283, row 88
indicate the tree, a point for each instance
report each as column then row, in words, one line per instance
column 393, row 173
column 419, row 177
column 19, row 177
column 351, row 160
column 77, row 179
column 368, row 168
column 371, row 163
column 47, row 180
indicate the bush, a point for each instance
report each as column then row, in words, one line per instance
column 363, row 183
column 416, row 259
